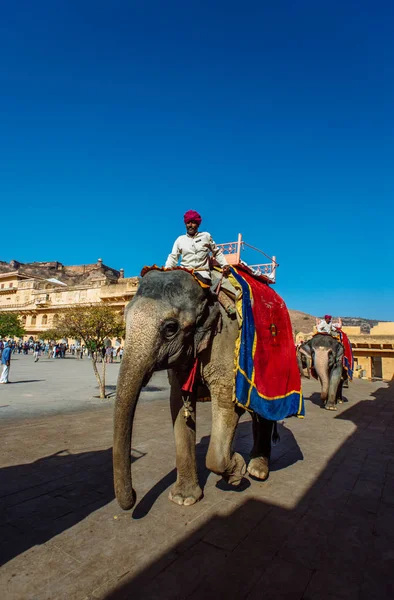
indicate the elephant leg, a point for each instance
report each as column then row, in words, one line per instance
column 220, row 457
column 300, row 363
column 335, row 378
column 262, row 432
column 186, row 489
column 339, row 391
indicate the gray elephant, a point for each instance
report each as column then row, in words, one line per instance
column 171, row 320
column 323, row 355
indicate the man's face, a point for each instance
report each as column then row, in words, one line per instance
column 328, row 320
column 191, row 228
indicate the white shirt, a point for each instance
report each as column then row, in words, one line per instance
column 325, row 327
column 195, row 253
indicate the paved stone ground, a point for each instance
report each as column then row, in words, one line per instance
column 54, row 386
column 321, row 527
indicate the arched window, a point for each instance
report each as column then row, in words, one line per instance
column 44, row 320
column 33, row 320
column 24, row 319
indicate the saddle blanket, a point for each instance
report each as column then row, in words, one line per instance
column 267, row 379
column 348, row 361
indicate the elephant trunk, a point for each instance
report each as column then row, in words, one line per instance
column 321, row 360
column 137, row 365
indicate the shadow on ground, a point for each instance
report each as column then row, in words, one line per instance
column 26, row 381
column 41, row 499
column 335, row 542
column 148, row 388
column 315, row 399
column 287, row 454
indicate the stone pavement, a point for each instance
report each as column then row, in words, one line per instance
column 321, row 527
column 54, row 386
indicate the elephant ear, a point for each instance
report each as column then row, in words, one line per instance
column 306, row 350
column 206, row 326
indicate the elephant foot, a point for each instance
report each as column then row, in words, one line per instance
column 185, row 495
column 330, row 407
column 259, row 467
column 237, row 470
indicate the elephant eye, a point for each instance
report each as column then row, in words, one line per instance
column 170, row 329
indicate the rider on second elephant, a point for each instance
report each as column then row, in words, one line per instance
column 326, row 325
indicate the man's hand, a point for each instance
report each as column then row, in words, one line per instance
column 226, row 270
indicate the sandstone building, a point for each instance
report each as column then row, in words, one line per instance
column 38, row 291
column 373, row 352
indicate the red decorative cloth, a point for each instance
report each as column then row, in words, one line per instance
column 267, row 379
column 348, row 361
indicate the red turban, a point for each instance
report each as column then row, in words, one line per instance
column 192, row 215
column 327, row 316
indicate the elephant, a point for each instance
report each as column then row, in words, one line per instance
column 170, row 321
column 324, row 355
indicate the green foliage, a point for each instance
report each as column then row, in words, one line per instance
column 92, row 324
column 49, row 335
column 10, row 325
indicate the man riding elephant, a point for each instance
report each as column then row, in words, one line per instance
column 174, row 323
column 194, row 249
column 326, row 325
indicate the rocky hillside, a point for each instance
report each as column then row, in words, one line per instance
column 305, row 322
column 301, row 321
column 365, row 324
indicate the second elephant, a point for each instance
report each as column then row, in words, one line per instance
column 324, row 354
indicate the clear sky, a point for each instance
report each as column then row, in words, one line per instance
column 274, row 119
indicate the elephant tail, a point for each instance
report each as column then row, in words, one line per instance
column 275, row 434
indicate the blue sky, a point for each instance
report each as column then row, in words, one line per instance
column 274, row 119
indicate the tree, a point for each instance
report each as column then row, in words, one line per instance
column 49, row 335
column 93, row 325
column 10, row 325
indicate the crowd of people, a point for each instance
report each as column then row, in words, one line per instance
column 49, row 350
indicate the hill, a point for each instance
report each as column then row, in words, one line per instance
column 365, row 324
column 301, row 321
column 304, row 322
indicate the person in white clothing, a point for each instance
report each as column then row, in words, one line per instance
column 327, row 326
column 194, row 249
column 6, row 362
